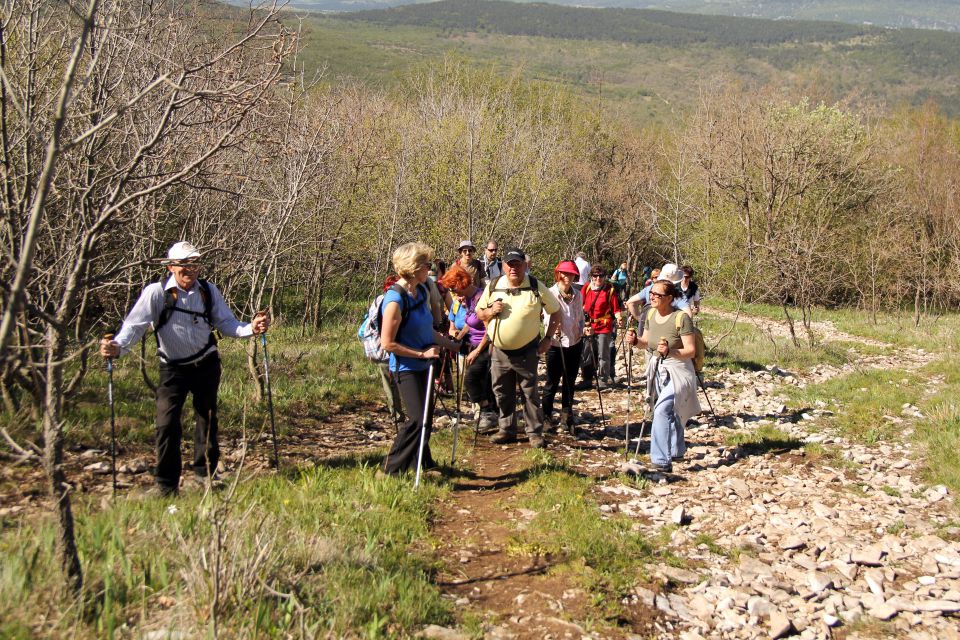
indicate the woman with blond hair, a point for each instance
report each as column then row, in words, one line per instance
column 407, row 334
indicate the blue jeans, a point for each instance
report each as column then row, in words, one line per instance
column 666, row 434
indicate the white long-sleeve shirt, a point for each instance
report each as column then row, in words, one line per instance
column 571, row 319
column 184, row 334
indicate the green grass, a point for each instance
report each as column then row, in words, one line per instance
column 311, row 378
column 747, row 348
column 330, row 551
column 764, row 439
column 861, row 400
column 603, row 554
column 892, row 327
column 941, row 430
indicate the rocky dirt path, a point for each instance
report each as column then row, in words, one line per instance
column 803, row 534
column 808, row 534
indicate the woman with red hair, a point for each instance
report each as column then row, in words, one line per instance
column 563, row 358
column 476, row 378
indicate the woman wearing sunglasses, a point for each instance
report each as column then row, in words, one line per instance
column 671, row 379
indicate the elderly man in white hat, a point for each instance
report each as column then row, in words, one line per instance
column 184, row 310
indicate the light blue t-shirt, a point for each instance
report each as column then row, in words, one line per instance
column 458, row 317
column 417, row 333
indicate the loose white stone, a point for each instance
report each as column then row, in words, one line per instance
column 678, row 515
column 792, row 542
column 874, row 580
column 869, row 556
column 882, row 611
column 780, row 625
column 819, row 581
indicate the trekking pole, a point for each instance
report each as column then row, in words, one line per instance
column 595, row 342
column 456, row 425
column 266, row 376
column 427, row 405
column 628, row 359
column 703, row 387
column 113, row 425
column 570, row 426
column 651, row 401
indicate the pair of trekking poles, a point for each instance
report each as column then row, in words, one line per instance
column 113, row 426
column 628, row 361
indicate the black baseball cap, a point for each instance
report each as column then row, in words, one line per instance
column 514, row 253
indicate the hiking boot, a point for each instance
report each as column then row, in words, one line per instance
column 549, row 426
column 566, row 418
column 488, row 421
column 663, row 468
column 196, row 481
column 503, row 437
column 157, row 491
column 536, row 441
column 433, row 474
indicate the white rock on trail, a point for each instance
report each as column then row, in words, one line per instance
column 815, row 542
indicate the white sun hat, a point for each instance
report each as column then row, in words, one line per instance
column 181, row 251
column 670, row 272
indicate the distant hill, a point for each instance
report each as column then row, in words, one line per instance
column 920, row 14
column 638, row 26
column 648, row 65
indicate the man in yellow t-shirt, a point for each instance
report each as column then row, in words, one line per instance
column 511, row 307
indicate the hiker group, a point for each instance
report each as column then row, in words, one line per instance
column 479, row 327
column 487, row 322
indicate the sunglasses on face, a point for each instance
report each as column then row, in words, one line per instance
column 656, row 294
column 489, row 250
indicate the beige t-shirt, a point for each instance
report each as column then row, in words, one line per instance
column 519, row 322
column 666, row 328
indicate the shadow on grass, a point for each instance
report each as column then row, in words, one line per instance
column 470, row 480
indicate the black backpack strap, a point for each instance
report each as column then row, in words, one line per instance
column 405, row 306
column 535, row 287
column 170, row 305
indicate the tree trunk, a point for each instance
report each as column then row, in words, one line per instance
column 66, row 546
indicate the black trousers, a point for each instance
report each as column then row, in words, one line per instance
column 477, row 382
column 201, row 379
column 403, row 454
column 562, row 366
column 588, row 359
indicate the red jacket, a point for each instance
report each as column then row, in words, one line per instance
column 600, row 307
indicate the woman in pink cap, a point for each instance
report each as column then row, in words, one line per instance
column 563, row 358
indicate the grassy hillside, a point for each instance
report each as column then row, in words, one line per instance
column 647, row 64
column 921, row 14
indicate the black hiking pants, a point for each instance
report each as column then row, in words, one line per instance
column 477, row 382
column 562, row 366
column 202, row 379
column 403, row 454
